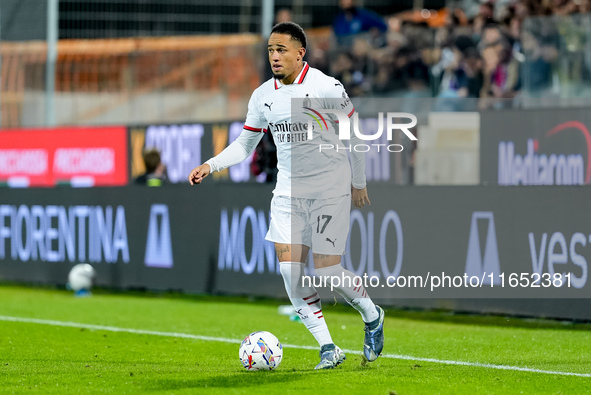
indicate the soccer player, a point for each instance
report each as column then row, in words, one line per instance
column 312, row 199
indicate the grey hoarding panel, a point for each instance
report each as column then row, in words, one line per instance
column 479, row 242
column 535, row 147
column 133, row 236
column 245, row 262
column 211, row 238
column 489, row 244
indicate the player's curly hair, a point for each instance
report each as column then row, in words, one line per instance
column 294, row 30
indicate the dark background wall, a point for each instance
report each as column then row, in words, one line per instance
column 23, row 20
column 210, row 239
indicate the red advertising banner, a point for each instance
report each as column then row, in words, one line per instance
column 85, row 156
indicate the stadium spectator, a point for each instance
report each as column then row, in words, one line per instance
column 502, row 68
column 477, row 27
column 487, row 11
column 282, row 15
column 472, row 65
column 491, row 35
column 453, row 81
column 495, row 29
column 343, row 70
column 155, row 174
column 514, row 28
column 538, row 64
column 416, row 74
column 353, row 20
column 384, row 82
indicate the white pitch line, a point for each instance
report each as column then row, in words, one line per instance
column 238, row 341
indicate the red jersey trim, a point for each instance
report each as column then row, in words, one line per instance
column 351, row 113
column 300, row 80
column 252, row 129
column 304, row 73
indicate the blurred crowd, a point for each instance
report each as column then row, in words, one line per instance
column 477, row 50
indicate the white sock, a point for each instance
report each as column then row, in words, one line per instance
column 305, row 301
column 356, row 296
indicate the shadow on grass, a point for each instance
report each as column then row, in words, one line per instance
column 231, row 380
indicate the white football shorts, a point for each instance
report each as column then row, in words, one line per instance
column 321, row 224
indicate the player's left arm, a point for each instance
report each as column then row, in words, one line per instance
column 358, row 183
column 359, row 193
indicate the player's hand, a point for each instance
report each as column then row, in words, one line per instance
column 359, row 197
column 199, row 173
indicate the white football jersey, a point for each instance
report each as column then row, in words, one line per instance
column 303, row 169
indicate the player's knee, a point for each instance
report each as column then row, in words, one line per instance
column 322, row 261
column 332, row 270
column 290, row 269
column 285, row 269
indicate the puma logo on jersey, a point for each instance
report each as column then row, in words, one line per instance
column 269, row 105
column 329, row 240
column 337, row 84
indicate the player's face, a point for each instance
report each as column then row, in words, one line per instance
column 285, row 56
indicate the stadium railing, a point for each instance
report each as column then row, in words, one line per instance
column 131, row 80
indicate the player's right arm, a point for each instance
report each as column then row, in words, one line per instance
column 240, row 149
column 199, row 173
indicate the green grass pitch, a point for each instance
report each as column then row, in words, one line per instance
column 167, row 355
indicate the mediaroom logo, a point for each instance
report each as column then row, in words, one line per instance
column 535, row 168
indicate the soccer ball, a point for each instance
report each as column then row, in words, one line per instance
column 81, row 277
column 261, row 351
